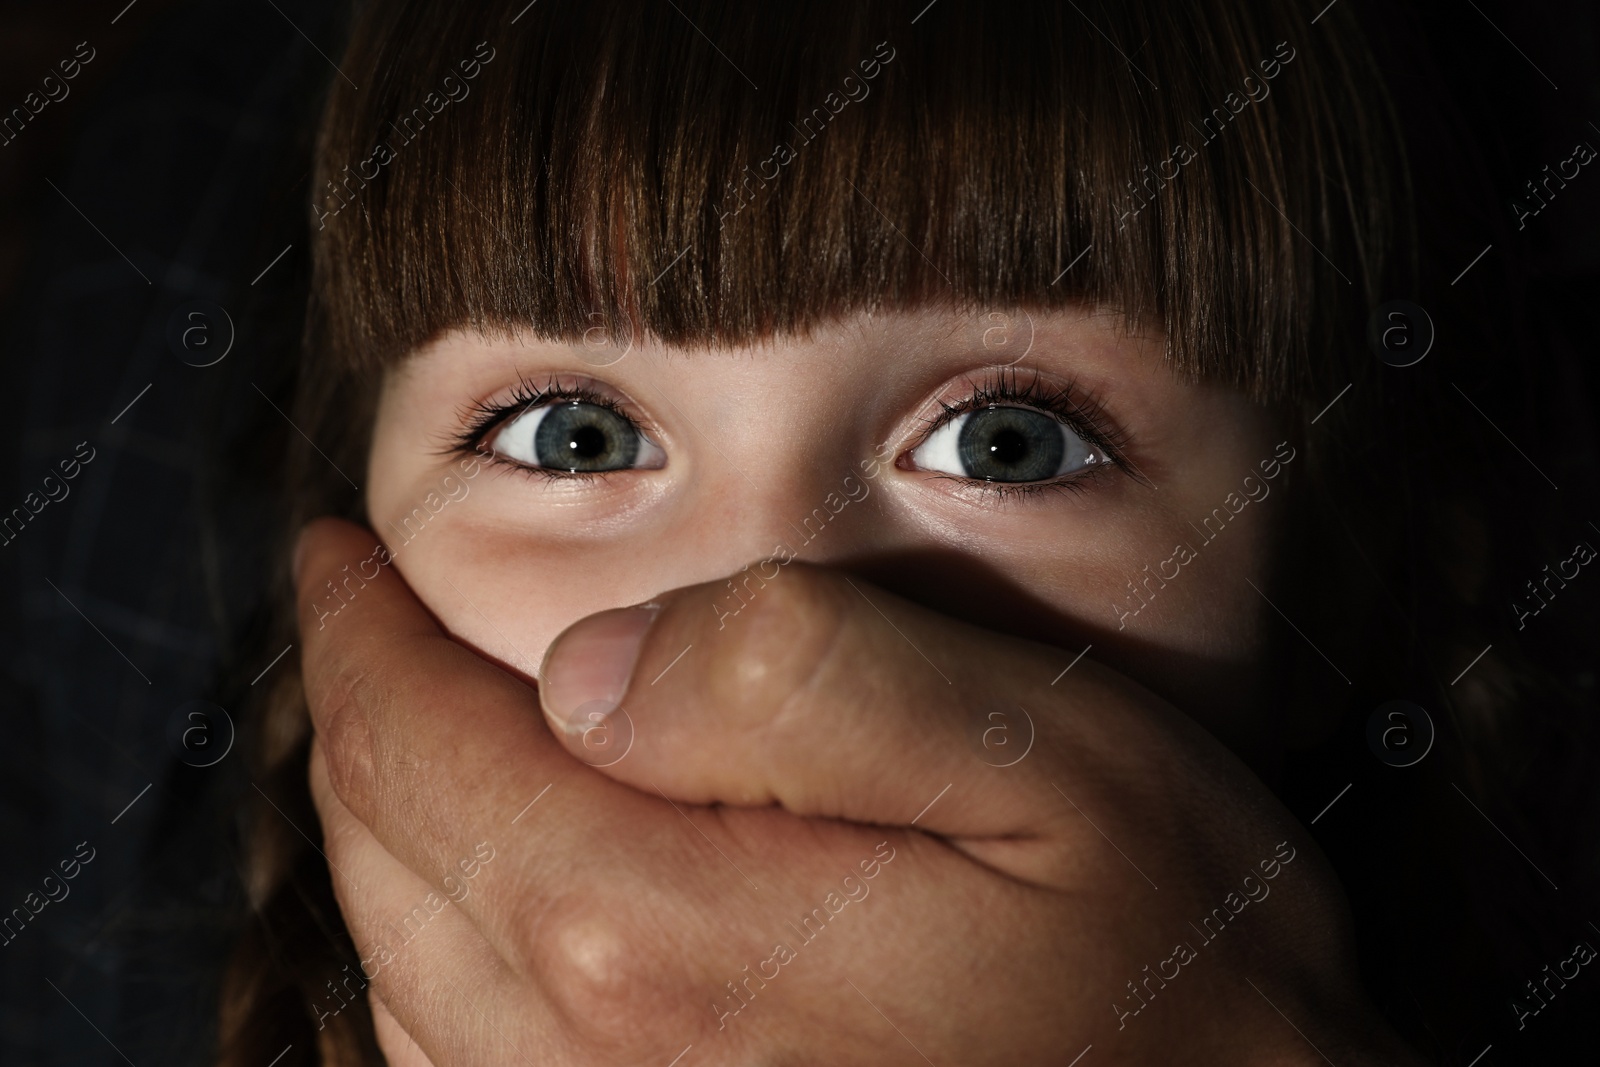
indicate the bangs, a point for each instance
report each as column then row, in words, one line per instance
column 714, row 174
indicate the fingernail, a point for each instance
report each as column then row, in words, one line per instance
column 586, row 672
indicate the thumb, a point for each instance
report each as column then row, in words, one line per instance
column 827, row 696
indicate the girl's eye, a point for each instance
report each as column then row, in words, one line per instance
column 1006, row 444
column 577, row 437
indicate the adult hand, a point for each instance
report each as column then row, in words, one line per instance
column 870, row 887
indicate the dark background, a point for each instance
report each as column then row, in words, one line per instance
column 176, row 171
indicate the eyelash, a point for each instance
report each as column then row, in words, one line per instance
column 481, row 418
column 1074, row 405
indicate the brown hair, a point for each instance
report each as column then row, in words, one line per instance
column 620, row 164
column 995, row 143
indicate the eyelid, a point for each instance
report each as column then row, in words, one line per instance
column 480, row 418
column 1067, row 400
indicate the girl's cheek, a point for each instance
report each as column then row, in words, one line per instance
column 1191, row 629
column 510, row 599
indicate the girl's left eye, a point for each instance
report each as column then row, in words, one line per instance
column 577, row 437
column 1006, row 444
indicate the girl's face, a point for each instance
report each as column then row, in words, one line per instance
column 1123, row 508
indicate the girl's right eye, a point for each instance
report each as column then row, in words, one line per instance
column 575, row 437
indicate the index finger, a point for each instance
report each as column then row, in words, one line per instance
column 427, row 744
column 373, row 658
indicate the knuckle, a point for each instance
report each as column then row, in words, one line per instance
column 340, row 710
column 600, row 971
column 786, row 635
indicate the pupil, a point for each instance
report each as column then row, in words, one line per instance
column 1008, row 446
column 587, row 442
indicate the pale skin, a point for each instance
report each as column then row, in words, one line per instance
column 844, row 697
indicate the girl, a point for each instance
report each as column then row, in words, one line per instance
column 1055, row 320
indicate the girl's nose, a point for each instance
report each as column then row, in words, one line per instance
column 831, row 514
